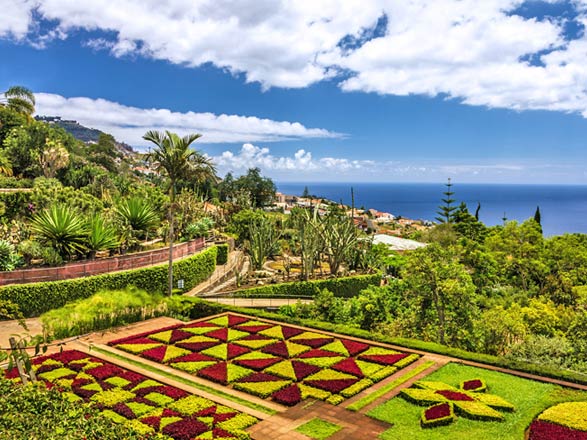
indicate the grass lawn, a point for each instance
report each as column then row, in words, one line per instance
column 529, row 398
column 318, row 429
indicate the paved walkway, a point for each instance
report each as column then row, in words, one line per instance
column 223, row 275
column 258, row 302
column 355, row 425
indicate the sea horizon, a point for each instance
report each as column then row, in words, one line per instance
column 563, row 206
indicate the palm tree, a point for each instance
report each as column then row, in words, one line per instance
column 19, row 99
column 174, row 158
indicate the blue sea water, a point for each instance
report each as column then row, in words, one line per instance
column 563, row 207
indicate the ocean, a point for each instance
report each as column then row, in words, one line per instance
column 563, row 208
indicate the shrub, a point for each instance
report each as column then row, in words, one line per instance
column 34, row 412
column 37, row 298
column 341, row 287
column 62, row 228
column 105, row 309
column 222, row 256
column 9, row 259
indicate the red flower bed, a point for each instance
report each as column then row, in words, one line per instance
column 541, row 430
column 333, row 386
column 178, row 335
column 155, row 354
column 185, row 429
column 104, row 371
column 124, row 411
column 235, row 350
column 288, row 396
column 472, row 384
column 290, row 332
column 385, row 359
column 348, row 365
column 317, row 353
column 437, row 411
column 454, row 395
column 236, row 320
column 277, row 349
column 253, row 328
column 216, row 373
column 303, row 370
column 354, row 347
column 195, row 357
column 261, row 377
column 196, row 346
column 257, row 364
column 314, row 343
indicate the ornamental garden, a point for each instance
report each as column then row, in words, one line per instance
column 283, row 369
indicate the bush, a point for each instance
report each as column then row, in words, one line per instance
column 341, row 287
column 36, row 298
column 105, row 309
column 9, row 259
column 222, row 256
column 33, row 412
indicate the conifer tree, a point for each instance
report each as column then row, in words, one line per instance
column 446, row 211
column 537, row 215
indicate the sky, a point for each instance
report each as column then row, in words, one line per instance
column 491, row 91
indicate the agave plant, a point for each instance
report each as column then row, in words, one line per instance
column 62, row 228
column 9, row 259
column 139, row 214
column 102, row 235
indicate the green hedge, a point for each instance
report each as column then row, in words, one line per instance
column 342, row 287
column 200, row 308
column 222, row 256
column 36, row 298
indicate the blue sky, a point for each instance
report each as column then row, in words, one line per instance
column 492, row 91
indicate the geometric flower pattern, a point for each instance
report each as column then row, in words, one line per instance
column 443, row 400
column 286, row 364
column 144, row 404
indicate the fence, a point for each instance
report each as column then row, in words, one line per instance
column 100, row 266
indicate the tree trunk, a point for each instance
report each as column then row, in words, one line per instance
column 171, row 234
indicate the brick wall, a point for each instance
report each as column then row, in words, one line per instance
column 104, row 265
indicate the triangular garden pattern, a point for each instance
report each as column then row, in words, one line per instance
column 284, row 363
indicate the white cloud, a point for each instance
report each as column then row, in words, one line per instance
column 251, row 156
column 471, row 50
column 16, row 17
column 129, row 124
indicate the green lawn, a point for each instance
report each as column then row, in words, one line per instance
column 529, row 398
column 318, row 429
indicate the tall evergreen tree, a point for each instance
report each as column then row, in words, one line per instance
column 446, row 211
column 537, row 215
column 306, row 192
column 477, row 211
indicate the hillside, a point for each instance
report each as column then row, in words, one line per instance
column 81, row 132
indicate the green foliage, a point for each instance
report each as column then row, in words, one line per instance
column 239, row 223
column 35, row 413
column 446, row 211
column 102, row 235
column 20, row 99
column 222, row 256
column 138, row 214
column 9, row 119
column 105, row 309
column 340, row 287
column 248, row 191
column 263, row 241
column 61, row 228
column 200, row 228
column 9, row 259
column 37, row 298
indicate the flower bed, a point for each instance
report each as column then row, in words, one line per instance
column 445, row 400
column 561, row 422
column 144, row 404
column 286, row 364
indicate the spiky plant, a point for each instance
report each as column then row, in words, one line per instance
column 139, row 214
column 19, row 99
column 62, row 228
column 101, row 235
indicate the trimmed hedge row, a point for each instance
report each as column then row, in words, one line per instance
column 200, row 308
column 222, row 256
column 36, row 298
column 343, row 287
